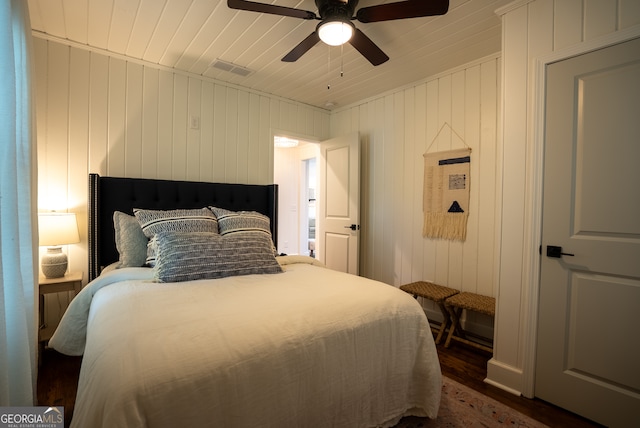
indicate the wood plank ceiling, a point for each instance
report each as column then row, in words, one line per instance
column 190, row 35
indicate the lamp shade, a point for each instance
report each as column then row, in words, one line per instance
column 58, row 229
column 335, row 33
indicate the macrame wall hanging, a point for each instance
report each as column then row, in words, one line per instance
column 446, row 191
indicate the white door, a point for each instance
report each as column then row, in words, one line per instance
column 588, row 353
column 338, row 223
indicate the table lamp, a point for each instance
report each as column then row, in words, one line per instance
column 56, row 229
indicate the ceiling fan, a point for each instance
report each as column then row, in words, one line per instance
column 335, row 27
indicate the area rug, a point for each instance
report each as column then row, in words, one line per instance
column 462, row 406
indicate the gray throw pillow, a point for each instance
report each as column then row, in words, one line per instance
column 131, row 242
column 187, row 220
column 201, row 255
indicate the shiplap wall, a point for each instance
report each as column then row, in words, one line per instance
column 117, row 117
column 396, row 129
column 533, row 30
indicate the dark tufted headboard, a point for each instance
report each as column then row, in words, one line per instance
column 110, row 194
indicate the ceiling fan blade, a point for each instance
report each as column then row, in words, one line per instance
column 367, row 48
column 270, row 8
column 302, row 48
column 402, row 10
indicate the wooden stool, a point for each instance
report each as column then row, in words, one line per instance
column 436, row 293
column 471, row 302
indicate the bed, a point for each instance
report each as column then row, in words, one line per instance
column 293, row 344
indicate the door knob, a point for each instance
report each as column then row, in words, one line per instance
column 353, row 227
column 556, row 252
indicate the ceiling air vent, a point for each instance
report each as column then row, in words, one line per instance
column 231, row 67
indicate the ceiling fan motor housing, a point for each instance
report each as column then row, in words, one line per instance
column 336, row 10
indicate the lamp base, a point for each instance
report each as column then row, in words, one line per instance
column 54, row 263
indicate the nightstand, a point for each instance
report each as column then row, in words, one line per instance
column 70, row 282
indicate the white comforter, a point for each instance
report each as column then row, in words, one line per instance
column 309, row 347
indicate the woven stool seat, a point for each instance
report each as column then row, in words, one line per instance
column 471, row 302
column 474, row 302
column 436, row 293
column 429, row 290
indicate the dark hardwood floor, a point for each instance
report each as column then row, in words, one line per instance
column 58, row 379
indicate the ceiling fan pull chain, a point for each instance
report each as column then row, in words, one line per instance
column 328, row 67
column 342, row 60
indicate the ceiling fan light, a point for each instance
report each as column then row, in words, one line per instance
column 335, row 33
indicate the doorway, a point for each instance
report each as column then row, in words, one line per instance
column 296, row 174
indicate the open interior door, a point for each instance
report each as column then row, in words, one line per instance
column 338, row 223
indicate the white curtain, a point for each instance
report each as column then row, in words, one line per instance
column 18, row 213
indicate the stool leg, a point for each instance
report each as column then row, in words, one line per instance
column 455, row 320
column 446, row 320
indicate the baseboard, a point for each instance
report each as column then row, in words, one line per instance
column 504, row 377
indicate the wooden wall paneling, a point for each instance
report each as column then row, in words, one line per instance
column 116, row 121
column 600, row 18
column 219, row 132
column 57, row 140
column 284, row 122
column 133, row 121
column 180, row 127
column 78, row 152
column 301, row 120
column 390, row 195
column 194, row 130
column 628, row 13
column 165, row 124
column 230, row 152
column 404, row 143
column 540, row 20
column 513, row 186
column 150, row 110
column 310, row 128
column 433, row 124
column 206, row 131
column 76, row 12
column 486, row 157
column 54, row 194
column 242, row 141
column 195, row 17
column 457, row 122
column 366, row 187
column 469, row 268
column 40, row 48
column 442, row 143
column 255, row 160
column 380, row 198
column 418, row 252
column 100, row 17
column 122, row 20
column 98, row 113
column 143, row 29
column 170, row 20
column 35, row 15
column 266, row 144
column 568, row 17
column 55, row 19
